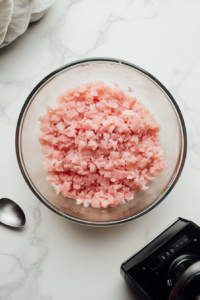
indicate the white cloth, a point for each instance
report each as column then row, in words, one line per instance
column 15, row 15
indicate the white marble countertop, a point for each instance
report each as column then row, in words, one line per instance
column 52, row 258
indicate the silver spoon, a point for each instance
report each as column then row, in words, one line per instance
column 11, row 214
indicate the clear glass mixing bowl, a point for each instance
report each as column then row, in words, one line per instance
column 147, row 89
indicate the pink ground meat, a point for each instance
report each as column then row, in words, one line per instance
column 100, row 145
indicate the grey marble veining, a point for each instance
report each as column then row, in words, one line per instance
column 52, row 258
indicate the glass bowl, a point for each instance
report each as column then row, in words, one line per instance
column 147, row 89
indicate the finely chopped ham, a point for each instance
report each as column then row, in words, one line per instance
column 100, row 145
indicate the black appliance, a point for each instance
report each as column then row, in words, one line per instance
column 168, row 267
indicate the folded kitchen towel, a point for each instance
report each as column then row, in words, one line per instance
column 15, row 15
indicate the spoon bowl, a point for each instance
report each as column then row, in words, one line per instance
column 11, row 214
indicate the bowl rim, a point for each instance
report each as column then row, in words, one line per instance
column 20, row 123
